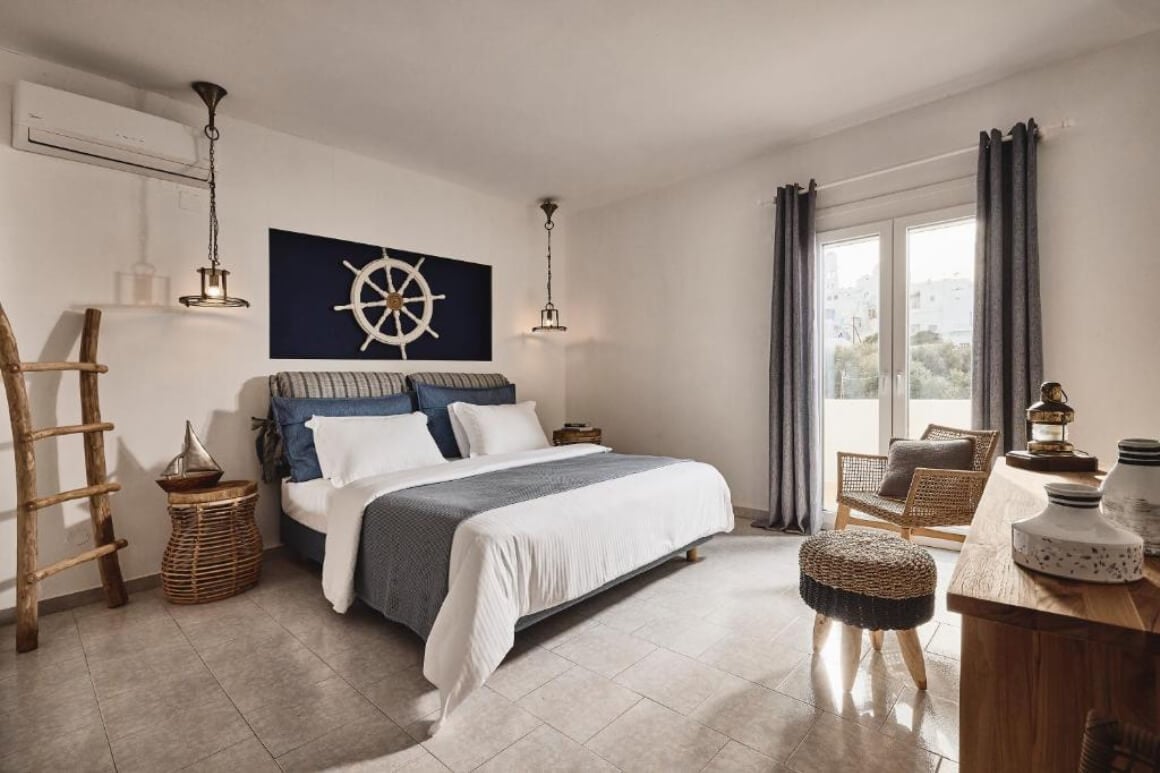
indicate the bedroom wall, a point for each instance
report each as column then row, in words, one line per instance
column 670, row 291
column 66, row 228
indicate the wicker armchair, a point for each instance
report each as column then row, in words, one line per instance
column 1111, row 745
column 936, row 498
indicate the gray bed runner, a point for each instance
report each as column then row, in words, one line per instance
column 405, row 549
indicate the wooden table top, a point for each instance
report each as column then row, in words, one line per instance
column 227, row 489
column 987, row 583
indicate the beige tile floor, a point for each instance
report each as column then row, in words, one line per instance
column 691, row 667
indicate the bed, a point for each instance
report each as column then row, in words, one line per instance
column 467, row 552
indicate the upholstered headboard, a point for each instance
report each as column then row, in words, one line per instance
column 345, row 383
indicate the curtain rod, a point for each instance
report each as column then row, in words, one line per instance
column 1043, row 131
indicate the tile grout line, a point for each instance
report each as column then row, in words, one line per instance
column 92, row 684
column 541, row 722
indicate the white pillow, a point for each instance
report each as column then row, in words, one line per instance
column 457, row 430
column 354, row 447
column 500, row 429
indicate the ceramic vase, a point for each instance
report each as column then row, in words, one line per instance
column 1132, row 491
column 1070, row 538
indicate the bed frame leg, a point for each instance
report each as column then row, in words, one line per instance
column 692, row 555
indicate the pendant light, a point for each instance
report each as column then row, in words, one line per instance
column 549, row 315
column 214, row 292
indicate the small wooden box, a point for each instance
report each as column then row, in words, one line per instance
column 570, row 435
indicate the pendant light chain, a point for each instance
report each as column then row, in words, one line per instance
column 548, row 226
column 213, row 134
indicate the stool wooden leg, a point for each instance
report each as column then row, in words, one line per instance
column 692, row 555
column 821, row 630
column 876, row 640
column 912, row 656
column 851, row 651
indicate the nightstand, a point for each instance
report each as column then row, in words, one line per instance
column 570, row 435
column 215, row 550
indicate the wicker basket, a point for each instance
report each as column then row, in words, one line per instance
column 215, row 550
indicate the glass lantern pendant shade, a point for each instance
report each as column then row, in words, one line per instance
column 214, row 288
column 549, row 315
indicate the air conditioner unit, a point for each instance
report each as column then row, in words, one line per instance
column 58, row 123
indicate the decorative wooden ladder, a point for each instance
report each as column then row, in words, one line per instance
column 97, row 491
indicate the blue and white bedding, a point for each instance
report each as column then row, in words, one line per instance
column 529, row 531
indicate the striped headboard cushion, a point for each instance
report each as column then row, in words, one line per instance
column 337, row 383
column 468, row 380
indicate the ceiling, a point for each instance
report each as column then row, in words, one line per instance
column 589, row 101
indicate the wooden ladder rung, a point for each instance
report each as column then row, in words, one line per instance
column 79, row 558
column 41, row 367
column 72, row 429
column 78, row 493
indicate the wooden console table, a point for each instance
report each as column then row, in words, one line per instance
column 1038, row 651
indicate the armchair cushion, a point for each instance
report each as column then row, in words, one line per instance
column 905, row 456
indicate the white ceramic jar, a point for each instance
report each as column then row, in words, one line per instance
column 1070, row 538
column 1132, row 491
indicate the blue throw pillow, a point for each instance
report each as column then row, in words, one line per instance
column 298, row 439
column 433, row 401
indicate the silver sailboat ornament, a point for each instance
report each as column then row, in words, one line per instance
column 193, row 468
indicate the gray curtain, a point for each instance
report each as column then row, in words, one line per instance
column 1008, row 338
column 794, row 417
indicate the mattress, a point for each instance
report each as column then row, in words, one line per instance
column 307, row 502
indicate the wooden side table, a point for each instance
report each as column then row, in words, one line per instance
column 215, row 550
column 569, row 435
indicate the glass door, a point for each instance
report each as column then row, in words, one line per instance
column 855, row 279
column 933, row 336
column 897, row 313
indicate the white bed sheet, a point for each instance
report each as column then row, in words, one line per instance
column 531, row 556
column 307, row 502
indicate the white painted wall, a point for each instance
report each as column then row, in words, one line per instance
column 67, row 227
column 669, row 292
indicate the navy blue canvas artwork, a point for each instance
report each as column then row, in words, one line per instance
column 339, row 300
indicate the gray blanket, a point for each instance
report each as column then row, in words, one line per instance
column 405, row 548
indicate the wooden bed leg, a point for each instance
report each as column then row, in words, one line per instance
column 692, row 555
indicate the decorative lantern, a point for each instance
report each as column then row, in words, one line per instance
column 1048, row 449
column 549, row 315
column 1047, row 421
column 214, row 292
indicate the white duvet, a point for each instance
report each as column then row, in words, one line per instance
column 527, row 557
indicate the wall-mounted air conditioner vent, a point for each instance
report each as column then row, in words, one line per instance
column 57, row 123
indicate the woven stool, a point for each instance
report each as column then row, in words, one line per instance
column 871, row 581
column 215, row 550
